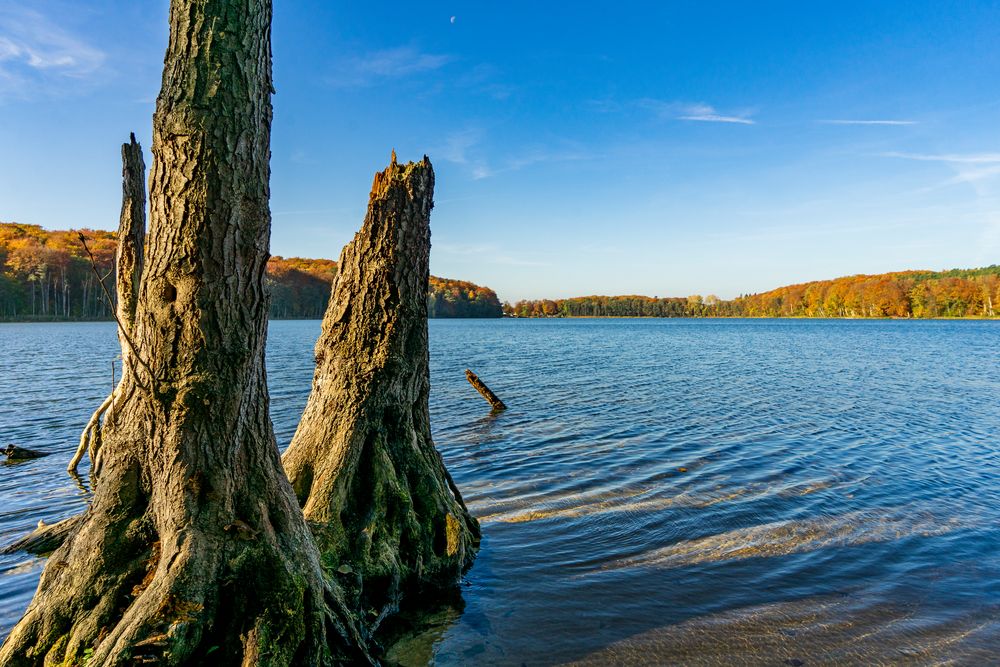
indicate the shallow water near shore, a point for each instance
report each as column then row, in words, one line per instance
column 658, row 492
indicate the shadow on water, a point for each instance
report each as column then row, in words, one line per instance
column 411, row 635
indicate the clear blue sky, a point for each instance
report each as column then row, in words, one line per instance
column 660, row 148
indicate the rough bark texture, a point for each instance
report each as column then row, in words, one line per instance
column 484, row 391
column 128, row 272
column 386, row 514
column 131, row 238
column 194, row 549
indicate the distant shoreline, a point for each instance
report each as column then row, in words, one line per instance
column 970, row 318
column 752, row 317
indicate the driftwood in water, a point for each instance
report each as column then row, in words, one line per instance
column 15, row 453
column 128, row 270
column 46, row 538
column 484, row 390
column 362, row 462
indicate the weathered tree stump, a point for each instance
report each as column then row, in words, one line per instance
column 362, row 463
column 194, row 549
column 481, row 387
column 128, row 271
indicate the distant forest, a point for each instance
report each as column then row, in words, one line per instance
column 922, row 294
column 47, row 275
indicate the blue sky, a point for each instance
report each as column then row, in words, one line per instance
column 660, row 148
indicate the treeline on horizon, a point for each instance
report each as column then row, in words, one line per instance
column 920, row 294
column 47, row 275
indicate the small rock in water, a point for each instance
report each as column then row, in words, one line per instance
column 15, row 453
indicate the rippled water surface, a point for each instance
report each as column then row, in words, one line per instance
column 660, row 491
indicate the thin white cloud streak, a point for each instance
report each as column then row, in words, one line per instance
column 716, row 118
column 375, row 66
column 38, row 56
column 703, row 113
column 847, row 121
column 954, row 158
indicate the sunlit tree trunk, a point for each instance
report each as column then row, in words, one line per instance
column 194, row 549
column 384, row 510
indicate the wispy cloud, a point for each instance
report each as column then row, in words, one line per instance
column 459, row 147
column 457, row 144
column 39, row 56
column 953, row 158
column 375, row 66
column 872, row 121
column 466, row 147
column 707, row 114
column 976, row 169
column 703, row 113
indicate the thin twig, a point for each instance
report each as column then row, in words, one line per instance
column 114, row 310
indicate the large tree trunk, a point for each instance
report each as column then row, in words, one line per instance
column 194, row 548
column 128, row 272
column 373, row 487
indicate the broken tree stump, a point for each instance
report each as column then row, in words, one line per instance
column 128, row 271
column 481, row 387
column 372, row 485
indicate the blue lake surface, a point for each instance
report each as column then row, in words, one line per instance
column 660, row 491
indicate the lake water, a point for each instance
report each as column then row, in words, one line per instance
column 660, row 491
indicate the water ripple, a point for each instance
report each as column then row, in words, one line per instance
column 689, row 492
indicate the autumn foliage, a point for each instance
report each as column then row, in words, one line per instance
column 458, row 298
column 955, row 293
column 48, row 275
column 299, row 287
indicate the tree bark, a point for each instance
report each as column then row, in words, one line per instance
column 386, row 514
column 194, row 549
column 131, row 239
column 128, row 271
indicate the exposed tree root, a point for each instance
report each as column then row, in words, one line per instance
column 90, row 438
column 125, row 588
